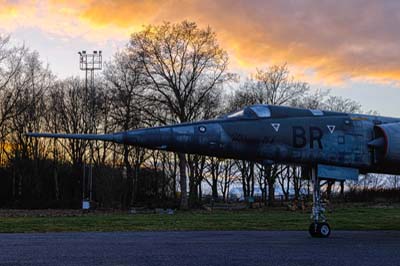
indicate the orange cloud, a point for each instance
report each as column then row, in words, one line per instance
column 7, row 10
column 123, row 14
column 335, row 40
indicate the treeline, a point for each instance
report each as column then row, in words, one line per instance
column 171, row 73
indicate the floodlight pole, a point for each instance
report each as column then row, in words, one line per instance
column 90, row 63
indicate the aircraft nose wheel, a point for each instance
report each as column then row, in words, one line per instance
column 322, row 230
column 319, row 227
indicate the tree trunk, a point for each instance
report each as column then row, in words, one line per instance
column 271, row 191
column 243, row 171
column 193, row 192
column 183, row 179
column 342, row 189
column 329, row 190
column 296, row 183
column 214, row 188
column 129, row 178
column 200, row 191
column 56, row 185
column 251, row 179
column 271, row 183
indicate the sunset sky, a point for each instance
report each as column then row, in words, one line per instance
column 352, row 47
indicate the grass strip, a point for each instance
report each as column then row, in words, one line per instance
column 355, row 218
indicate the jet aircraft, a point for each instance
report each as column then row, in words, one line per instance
column 337, row 146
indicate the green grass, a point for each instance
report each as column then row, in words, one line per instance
column 355, row 218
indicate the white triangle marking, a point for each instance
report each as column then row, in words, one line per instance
column 276, row 126
column 331, row 128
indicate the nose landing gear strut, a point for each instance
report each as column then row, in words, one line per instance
column 319, row 227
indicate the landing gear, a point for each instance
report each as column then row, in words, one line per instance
column 319, row 227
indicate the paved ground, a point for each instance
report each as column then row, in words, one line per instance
column 201, row 248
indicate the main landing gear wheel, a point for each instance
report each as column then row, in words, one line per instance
column 322, row 230
column 319, row 227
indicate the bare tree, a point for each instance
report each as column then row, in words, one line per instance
column 125, row 82
column 247, row 172
column 214, row 171
column 197, row 168
column 393, row 181
column 184, row 65
column 229, row 176
column 31, row 82
column 70, row 101
column 274, row 86
column 340, row 104
column 284, row 179
column 13, row 80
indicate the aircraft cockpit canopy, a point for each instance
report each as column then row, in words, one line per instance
column 254, row 111
column 260, row 111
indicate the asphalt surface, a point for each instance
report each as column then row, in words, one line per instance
column 287, row 248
